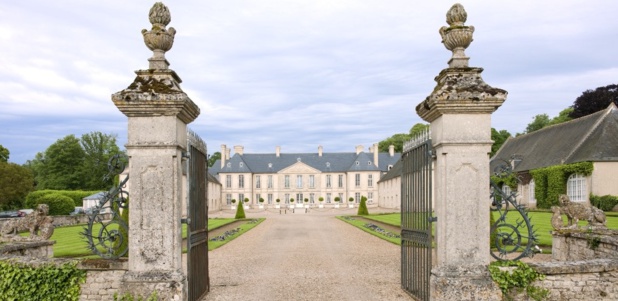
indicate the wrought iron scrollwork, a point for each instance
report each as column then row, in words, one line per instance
column 104, row 232
column 512, row 234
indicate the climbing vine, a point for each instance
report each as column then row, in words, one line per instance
column 516, row 277
column 46, row 282
column 550, row 182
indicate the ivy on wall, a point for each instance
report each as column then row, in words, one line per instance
column 550, row 182
column 47, row 282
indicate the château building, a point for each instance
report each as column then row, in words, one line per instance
column 298, row 177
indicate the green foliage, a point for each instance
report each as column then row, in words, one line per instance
column 213, row 158
column 4, row 154
column 499, row 137
column 98, row 149
column 240, row 211
column 46, row 282
column 278, row 200
column 351, row 199
column 592, row 101
column 130, row 297
column 233, row 201
column 337, row 199
column 261, row 200
column 542, row 120
column 362, row 208
column 15, row 183
column 518, row 279
column 32, row 199
column 321, row 199
column 306, row 200
column 550, row 182
column 398, row 140
column 61, row 166
column 492, row 234
column 58, row 204
column 291, row 200
column 605, row 203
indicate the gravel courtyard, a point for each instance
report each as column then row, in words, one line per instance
column 305, row 257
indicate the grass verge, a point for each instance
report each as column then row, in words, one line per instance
column 361, row 225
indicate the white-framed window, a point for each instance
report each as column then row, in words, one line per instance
column 341, row 198
column 241, row 181
column 328, row 200
column 328, row 184
column 270, row 198
column 241, row 198
column 228, row 181
column 531, row 187
column 287, row 198
column 257, row 198
column 311, row 181
column 299, row 181
column 228, row 198
column 357, row 179
column 287, row 181
column 506, row 189
column 312, row 198
column 370, row 197
column 340, row 181
column 576, row 188
column 357, row 197
column 257, row 182
column 370, row 180
column 270, row 181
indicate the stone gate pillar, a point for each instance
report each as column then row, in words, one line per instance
column 459, row 110
column 158, row 112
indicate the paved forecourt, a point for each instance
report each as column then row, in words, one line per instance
column 309, row 256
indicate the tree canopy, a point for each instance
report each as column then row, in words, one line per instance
column 15, row 183
column 398, row 140
column 592, row 101
column 98, row 149
column 542, row 120
column 4, row 154
column 499, row 137
column 213, row 158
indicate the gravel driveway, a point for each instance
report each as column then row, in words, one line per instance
column 305, row 257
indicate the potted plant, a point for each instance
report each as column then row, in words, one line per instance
column 351, row 202
column 261, row 203
column 306, row 203
column 233, row 204
column 291, row 202
column 246, row 202
column 337, row 199
column 321, row 199
column 278, row 206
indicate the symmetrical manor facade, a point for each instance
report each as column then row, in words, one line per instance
column 301, row 178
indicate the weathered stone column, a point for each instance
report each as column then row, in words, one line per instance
column 158, row 112
column 459, row 110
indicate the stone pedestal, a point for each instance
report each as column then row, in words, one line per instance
column 158, row 112
column 459, row 112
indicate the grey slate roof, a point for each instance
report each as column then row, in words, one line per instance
column 394, row 172
column 589, row 138
column 96, row 196
column 328, row 162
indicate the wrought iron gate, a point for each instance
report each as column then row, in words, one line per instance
column 416, row 216
column 197, row 219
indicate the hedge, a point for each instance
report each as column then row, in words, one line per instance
column 58, row 204
column 605, row 203
column 550, row 182
column 76, row 195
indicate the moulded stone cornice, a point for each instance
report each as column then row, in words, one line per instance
column 460, row 91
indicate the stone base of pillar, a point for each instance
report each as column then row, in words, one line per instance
column 168, row 285
column 463, row 283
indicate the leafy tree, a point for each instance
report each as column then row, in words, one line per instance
column 499, row 137
column 61, row 166
column 418, row 129
column 563, row 116
column 213, row 158
column 98, row 149
column 538, row 122
column 4, row 154
column 15, row 183
column 592, row 101
column 398, row 140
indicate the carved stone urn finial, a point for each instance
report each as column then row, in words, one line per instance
column 457, row 37
column 159, row 39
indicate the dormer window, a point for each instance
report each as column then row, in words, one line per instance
column 240, row 164
column 270, row 165
column 298, row 159
column 368, row 162
column 390, row 166
column 357, row 163
column 229, row 164
column 327, row 164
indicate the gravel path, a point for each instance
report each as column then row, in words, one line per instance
column 305, row 257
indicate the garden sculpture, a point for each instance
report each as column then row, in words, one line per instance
column 581, row 211
column 556, row 218
column 38, row 223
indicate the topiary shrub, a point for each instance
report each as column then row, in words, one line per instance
column 76, row 195
column 58, row 204
column 32, row 199
column 351, row 199
column 240, row 212
column 362, row 208
column 605, row 203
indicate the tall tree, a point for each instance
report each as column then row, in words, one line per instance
column 499, row 137
column 98, row 149
column 213, row 158
column 538, row 122
column 398, row 140
column 15, row 183
column 62, row 166
column 4, row 154
column 418, row 129
column 592, row 101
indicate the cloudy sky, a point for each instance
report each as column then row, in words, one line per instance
column 294, row 73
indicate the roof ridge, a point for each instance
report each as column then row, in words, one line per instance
column 601, row 117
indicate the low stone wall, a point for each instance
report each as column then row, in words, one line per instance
column 64, row 220
column 35, row 249
column 103, row 278
column 582, row 244
column 595, row 279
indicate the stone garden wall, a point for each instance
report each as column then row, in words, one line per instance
column 584, row 244
column 103, row 279
column 64, row 220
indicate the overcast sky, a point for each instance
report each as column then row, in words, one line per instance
column 295, row 74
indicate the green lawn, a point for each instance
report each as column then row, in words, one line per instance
column 541, row 221
column 69, row 243
column 360, row 224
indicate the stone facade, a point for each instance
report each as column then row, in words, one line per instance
column 103, row 279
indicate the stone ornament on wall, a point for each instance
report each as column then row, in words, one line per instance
column 578, row 211
column 159, row 39
column 38, row 223
column 457, row 37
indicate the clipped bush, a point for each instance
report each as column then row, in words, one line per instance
column 32, row 199
column 362, row 208
column 605, row 203
column 240, row 211
column 337, row 199
column 351, row 199
column 58, row 204
column 76, row 195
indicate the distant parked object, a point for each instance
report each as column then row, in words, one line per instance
column 9, row 214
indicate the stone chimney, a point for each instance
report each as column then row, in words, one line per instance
column 319, row 150
column 359, row 149
column 223, row 155
column 391, row 150
column 227, row 154
column 376, row 153
column 238, row 149
column 278, row 151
